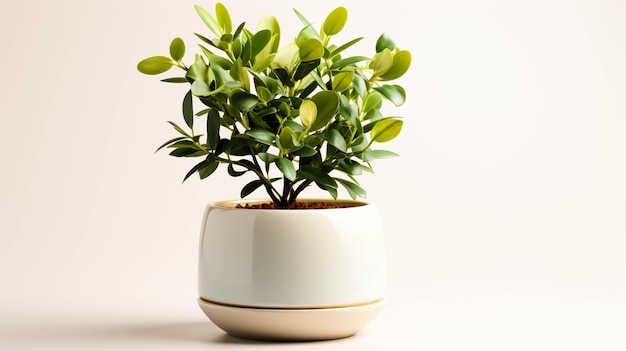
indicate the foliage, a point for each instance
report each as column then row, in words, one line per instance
column 293, row 117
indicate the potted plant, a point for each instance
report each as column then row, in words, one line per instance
column 293, row 116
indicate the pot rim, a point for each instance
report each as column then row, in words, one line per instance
column 348, row 203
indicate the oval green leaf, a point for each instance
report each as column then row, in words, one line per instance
column 310, row 50
column 308, row 113
column 394, row 93
column 386, row 130
column 342, row 80
column 210, row 22
column 372, row 101
column 335, row 139
column 213, row 128
column 244, row 101
column 370, row 155
column 177, row 49
column 223, row 18
column 385, row 42
column 304, row 151
column 210, row 165
column 335, row 21
column 382, row 62
column 250, row 187
column 259, row 41
column 401, row 64
column 287, row 139
column 188, row 109
column 327, row 103
column 353, row 189
column 155, row 65
column 200, row 88
column 318, row 176
column 287, row 168
column 261, row 135
column 271, row 23
column 348, row 61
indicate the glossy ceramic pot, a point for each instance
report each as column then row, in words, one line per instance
column 297, row 274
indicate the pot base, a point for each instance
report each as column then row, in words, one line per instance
column 290, row 324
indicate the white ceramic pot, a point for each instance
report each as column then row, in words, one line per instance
column 307, row 274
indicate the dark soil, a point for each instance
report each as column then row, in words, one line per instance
column 303, row 205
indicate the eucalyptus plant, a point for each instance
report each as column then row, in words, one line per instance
column 296, row 116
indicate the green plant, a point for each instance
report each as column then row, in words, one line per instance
column 293, row 117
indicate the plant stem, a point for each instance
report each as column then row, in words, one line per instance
column 294, row 194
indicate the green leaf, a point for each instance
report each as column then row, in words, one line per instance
column 198, row 70
column 342, row 80
column 308, row 113
column 223, row 18
column 262, row 64
column 177, row 49
column 215, row 59
column 213, row 128
column 305, row 68
column 179, row 129
column 244, row 101
column 208, row 20
column 238, row 72
column 393, row 93
column 206, row 40
column 373, row 101
column 171, row 141
column 348, row 61
column 260, row 41
column 302, row 18
column 251, row 187
column 264, row 94
column 287, row 168
column 235, row 173
column 353, row 189
column 287, row 139
column 186, row 152
column 327, row 103
column 304, row 151
column 351, row 167
column 332, row 191
column 209, row 166
column 370, row 155
column 261, row 135
column 335, row 139
column 401, row 64
column 193, row 170
column 175, row 80
column 343, row 47
column 200, row 88
column 155, row 65
column 267, row 158
column 359, row 86
column 271, row 23
column 335, row 21
column 310, row 50
column 188, row 109
column 385, row 42
column 386, row 130
column 373, row 121
column 317, row 176
column 382, row 62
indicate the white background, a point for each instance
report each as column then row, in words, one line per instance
column 505, row 215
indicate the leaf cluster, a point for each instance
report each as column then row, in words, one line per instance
column 294, row 115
